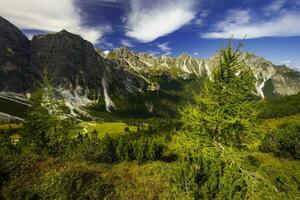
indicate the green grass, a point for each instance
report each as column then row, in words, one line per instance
column 113, row 129
column 8, row 126
column 269, row 124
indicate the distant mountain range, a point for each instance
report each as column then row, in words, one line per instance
column 122, row 81
column 271, row 80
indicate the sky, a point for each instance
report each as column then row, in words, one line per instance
column 268, row 28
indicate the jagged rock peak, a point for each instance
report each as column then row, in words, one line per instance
column 14, row 58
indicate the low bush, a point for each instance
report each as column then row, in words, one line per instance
column 109, row 150
column 284, row 141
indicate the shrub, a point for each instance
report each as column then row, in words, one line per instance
column 75, row 182
column 109, row 150
column 140, row 149
column 283, row 141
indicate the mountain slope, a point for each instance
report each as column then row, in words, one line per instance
column 271, row 80
column 15, row 72
column 75, row 67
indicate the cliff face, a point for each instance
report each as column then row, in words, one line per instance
column 72, row 63
column 15, row 70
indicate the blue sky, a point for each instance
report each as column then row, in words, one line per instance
column 172, row 27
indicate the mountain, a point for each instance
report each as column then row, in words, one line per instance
column 75, row 67
column 124, row 82
column 271, row 80
column 15, row 70
column 78, row 69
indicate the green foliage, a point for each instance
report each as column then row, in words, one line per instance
column 45, row 126
column 141, row 149
column 212, row 164
column 53, row 179
column 109, row 150
column 282, row 106
column 226, row 107
column 283, row 141
column 92, row 148
column 75, row 182
column 213, row 173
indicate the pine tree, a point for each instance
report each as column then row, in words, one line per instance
column 226, row 106
column 46, row 126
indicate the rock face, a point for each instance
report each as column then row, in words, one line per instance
column 15, row 71
column 77, row 67
column 271, row 80
column 72, row 63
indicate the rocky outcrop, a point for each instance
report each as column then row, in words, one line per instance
column 271, row 80
column 16, row 74
column 73, row 64
column 76, row 66
column 71, row 61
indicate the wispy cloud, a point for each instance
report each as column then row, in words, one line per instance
column 297, row 68
column 105, row 44
column 50, row 16
column 275, row 6
column 199, row 21
column 241, row 23
column 154, row 53
column 126, row 43
column 165, row 48
column 285, row 61
column 149, row 20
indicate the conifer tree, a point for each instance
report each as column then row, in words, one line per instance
column 226, row 105
column 46, row 125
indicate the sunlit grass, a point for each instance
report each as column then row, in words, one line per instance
column 113, row 129
column 9, row 126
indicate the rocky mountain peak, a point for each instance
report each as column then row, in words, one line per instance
column 14, row 58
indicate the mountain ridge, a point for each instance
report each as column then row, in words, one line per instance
column 265, row 72
column 85, row 76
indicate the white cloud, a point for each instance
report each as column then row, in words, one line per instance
column 106, row 52
column 196, row 54
column 199, row 22
column 106, row 44
column 275, row 6
column 285, row 61
column 149, row 20
column 153, row 53
column 126, row 43
column 201, row 17
column 240, row 23
column 165, row 48
column 50, row 16
column 297, row 68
